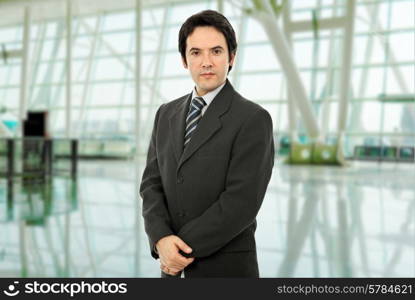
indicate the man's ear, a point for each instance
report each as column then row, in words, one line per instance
column 232, row 60
column 184, row 63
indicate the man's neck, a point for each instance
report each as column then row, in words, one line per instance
column 201, row 92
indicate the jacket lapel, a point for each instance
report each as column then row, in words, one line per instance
column 209, row 124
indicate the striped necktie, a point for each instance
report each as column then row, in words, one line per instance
column 193, row 117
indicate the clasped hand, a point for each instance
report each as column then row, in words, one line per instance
column 171, row 261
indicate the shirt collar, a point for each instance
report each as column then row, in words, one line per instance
column 209, row 96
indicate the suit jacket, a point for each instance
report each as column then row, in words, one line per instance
column 210, row 193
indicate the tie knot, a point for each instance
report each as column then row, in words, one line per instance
column 198, row 102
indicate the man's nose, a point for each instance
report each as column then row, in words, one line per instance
column 206, row 62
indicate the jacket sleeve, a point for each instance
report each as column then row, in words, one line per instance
column 247, row 179
column 154, row 209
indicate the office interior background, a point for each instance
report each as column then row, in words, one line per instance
column 80, row 82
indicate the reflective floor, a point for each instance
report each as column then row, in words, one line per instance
column 357, row 221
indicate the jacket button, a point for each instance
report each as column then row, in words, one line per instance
column 180, row 180
column 181, row 214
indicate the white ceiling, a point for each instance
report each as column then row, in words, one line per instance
column 11, row 11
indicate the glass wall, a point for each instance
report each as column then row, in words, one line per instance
column 103, row 68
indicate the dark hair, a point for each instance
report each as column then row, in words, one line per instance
column 208, row 18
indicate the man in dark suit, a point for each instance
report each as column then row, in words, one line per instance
column 209, row 162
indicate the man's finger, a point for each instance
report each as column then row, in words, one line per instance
column 167, row 269
column 177, row 266
column 182, row 261
column 178, row 261
column 170, row 271
column 183, row 246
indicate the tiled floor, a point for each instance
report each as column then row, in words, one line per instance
column 357, row 221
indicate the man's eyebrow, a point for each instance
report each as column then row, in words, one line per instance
column 194, row 48
column 216, row 47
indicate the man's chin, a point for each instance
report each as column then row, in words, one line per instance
column 207, row 87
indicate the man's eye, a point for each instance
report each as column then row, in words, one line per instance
column 195, row 53
column 217, row 51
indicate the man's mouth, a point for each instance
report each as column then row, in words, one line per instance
column 207, row 74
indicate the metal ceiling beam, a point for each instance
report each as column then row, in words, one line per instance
column 323, row 24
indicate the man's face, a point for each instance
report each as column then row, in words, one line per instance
column 207, row 57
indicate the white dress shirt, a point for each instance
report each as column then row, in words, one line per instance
column 207, row 97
